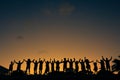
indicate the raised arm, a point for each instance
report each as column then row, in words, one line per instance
column 97, row 61
column 22, row 61
column 54, row 60
column 85, row 58
column 79, row 59
column 62, row 60
column 15, row 62
column 39, row 59
column 50, row 60
column 43, row 60
column 12, row 62
column 25, row 60
column 33, row 60
column 68, row 60
column 110, row 58
column 103, row 58
column 91, row 61
column 74, row 60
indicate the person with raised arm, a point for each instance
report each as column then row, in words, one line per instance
column 65, row 64
column 107, row 62
column 102, row 65
column 41, row 65
column 35, row 66
column 52, row 64
column 88, row 67
column 76, row 65
column 19, row 63
column 28, row 65
column 58, row 65
column 47, row 70
column 71, row 64
column 82, row 64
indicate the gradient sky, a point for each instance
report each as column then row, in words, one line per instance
column 58, row 29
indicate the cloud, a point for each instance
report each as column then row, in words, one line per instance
column 61, row 9
column 66, row 9
column 19, row 37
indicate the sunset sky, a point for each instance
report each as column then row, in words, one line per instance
column 59, row 28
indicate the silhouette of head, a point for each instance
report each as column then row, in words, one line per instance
column 28, row 59
column 82, row 60
column 64, row 59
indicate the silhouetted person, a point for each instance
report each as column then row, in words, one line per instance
column 82, row 65
column 88, row 67
column 58, row 65
column 41, row 65
column 52, row 65
column 35, row 66
column 11, row 67
column 64, row 64
column 76, row 65
column 107, row 61
column 19, row 63
column 71, row 64
column 47, row 67
column 28, row 62
column 102, row 65
column 95, row 66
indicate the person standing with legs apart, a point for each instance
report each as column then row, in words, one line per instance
column 28, row 65
column 35, row 66
column 107, row 62
column 19, row 63
column 41, row 65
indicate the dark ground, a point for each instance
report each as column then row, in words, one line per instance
column 101, row 75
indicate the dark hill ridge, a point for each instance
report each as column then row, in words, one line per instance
column 3, row 70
